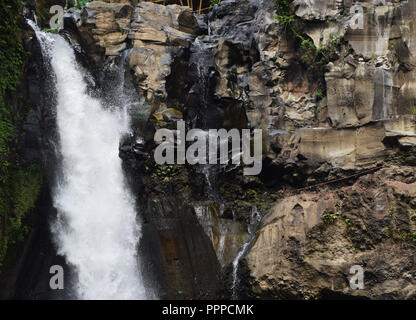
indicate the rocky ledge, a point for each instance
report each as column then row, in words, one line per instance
column 337, row 110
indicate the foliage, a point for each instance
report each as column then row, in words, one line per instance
column 82, row 3
column 329, row 217
column 19, row 185
column 284, row 14
column 10, row 72
column 407, row 236
column 212, row 3
column 163, row 171
column 315, row 59
column 308, row 52
column 320, row 94
column 54, row 30
column 412, row 214
column 25, row 187
column 17, row 198
column 319, row 57
column 349, row 224
column 345, row 13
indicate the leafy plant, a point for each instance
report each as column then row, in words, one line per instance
column 345, row 13
column 319, row 95
column 308, row 52
column 314, row 57
column 408, row 236
column 82, row 3
column 349, row 224
column 212, row 3
column 329, row 218
column 284, row 14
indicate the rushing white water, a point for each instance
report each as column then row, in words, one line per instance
column 255, row 218
column 96, row 228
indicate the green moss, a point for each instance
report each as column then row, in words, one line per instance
column 17, row 199
column 11, row 62
column 10, row 72
column 19, row 185
column 407, row 236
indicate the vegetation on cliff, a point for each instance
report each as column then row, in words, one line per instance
column 19, row 184
column 313, row 57
column 81, row 3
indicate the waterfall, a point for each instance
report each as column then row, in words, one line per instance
column 383, row 94
column 96, row 228
column 255, row 218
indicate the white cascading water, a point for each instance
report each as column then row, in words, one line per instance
column 255, row 218
column 96, row 228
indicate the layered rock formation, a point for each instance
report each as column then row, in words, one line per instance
column 336, row 106
column 308, row 242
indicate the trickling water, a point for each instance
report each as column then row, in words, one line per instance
column 96, row 228
column 255, row 218
column 210, row 171
column 382, row 16
column 200, row 97
column 383, row 94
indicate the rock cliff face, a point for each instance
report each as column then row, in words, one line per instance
column 308, row 242
column 336, row 106
column 238, row 67
column 23, row 191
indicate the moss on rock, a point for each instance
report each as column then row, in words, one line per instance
column 19, row 183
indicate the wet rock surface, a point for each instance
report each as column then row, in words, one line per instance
column 349, row 117
column 236, row 68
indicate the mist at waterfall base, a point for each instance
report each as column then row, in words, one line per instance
column 96, row 229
